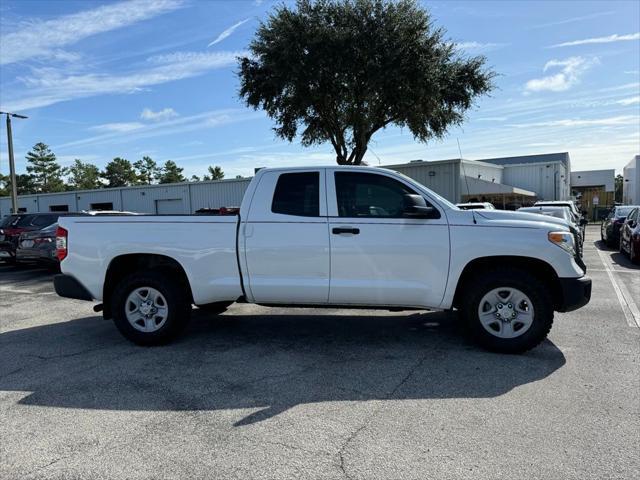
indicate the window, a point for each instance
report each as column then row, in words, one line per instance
column 370, row 195
column 102, row 206
column 297, row 194
column 44, row 220
column 58, row 208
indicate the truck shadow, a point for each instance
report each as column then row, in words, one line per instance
column 262, row 363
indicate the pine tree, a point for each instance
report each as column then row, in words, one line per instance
column 83, row 176
column 171, row 173
column 44, row 169
column 215, row 173
column 147, row 170
column 119, row 173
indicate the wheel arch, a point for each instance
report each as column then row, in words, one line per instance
column 539, row 268
column 123, row 265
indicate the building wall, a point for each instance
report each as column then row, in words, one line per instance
column 594, row 178
column 442, row 177
column 186, row 197
column 631, row 182
column 549, row 181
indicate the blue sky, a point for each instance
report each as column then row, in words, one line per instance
column 157, row 77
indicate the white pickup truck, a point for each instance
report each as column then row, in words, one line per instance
column 328, row 236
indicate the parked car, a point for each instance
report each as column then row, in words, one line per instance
column 563, row 213
column 560, row 203
column 610, row 227
column 38, row 246
column 475, row 206
column 630, row 235
column 331, row 236
column 580, row 217
column 24, row 222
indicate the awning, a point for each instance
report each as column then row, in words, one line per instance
column 477, row 186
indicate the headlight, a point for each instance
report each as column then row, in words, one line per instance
column 564, row 240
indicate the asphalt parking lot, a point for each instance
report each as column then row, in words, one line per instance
column 271, row 393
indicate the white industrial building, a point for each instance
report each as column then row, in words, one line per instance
column 631, row 182
column 508, row 182
column 176, row 198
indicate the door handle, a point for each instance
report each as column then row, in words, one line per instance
column 339, row 230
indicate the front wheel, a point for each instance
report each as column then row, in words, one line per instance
column 150, row 308
column 507, row 310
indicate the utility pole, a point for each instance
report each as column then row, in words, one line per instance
column 12, row 165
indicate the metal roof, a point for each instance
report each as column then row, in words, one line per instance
column 523, row 159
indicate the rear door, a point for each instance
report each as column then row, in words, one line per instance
column 286, row 241
column 379, row 256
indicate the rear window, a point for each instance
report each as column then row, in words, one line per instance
column 297, row 194
column 24, row 221
column 8, row 220
column 44, row 220
column 623, row 211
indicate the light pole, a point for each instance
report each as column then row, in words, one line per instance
column 12, row 166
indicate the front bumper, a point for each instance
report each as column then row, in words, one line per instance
column 69, row 287
column 576, row 293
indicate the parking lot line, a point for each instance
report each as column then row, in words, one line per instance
column 629, row 307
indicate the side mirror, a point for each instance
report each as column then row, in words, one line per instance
column 415, row 206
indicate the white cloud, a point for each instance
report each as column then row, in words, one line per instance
column 164, row 114
column 49, row 85
column 200, row 121
column 609, row 39
column 629, row 101
column 40, row 38
column 632, row 72
column 575, row 19
column 117, row 127
column 479, row 46
column 600, row 122
column 571, row 69
column 228, row 32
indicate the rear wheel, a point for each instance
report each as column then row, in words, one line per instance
column 150, row 308
column 507, row 310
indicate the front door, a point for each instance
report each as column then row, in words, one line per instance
column 378, row 255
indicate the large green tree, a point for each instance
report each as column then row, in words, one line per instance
column 171, row 173
column 45, row 169
column 26, row 184
column 147, row 170
column 83, row 176
column 341, row 70
column 119, row 173
column 214, row 173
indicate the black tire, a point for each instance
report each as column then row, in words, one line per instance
column 520, row 279
column 215, row 308
column 633, row 255
column 177, row 300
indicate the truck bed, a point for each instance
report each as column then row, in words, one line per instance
column 205, row 246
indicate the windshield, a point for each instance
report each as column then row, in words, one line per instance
column 419, row 186
column 623, row 211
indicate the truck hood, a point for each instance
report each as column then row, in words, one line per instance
column 520, row 219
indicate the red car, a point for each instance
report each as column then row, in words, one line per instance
column 630, row 235
column 14, row 225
